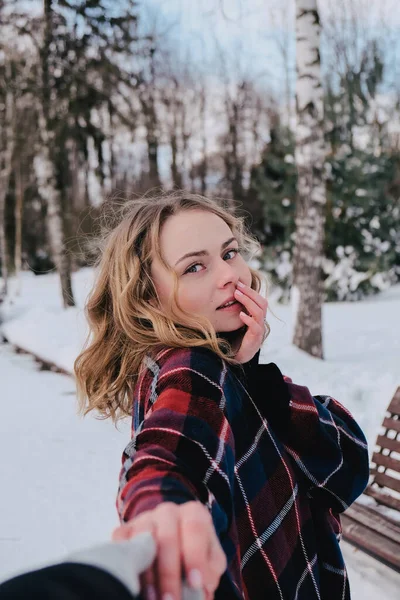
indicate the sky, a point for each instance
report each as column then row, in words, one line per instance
column 252, row 30
column 245, row 36
column 249, row 32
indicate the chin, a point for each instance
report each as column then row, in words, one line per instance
column 231, row 329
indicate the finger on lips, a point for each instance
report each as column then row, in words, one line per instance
column 254, row 309
column 258, row 299
column 253, row 301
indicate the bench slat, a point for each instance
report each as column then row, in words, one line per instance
column 386, row 461
column 366, row 527
column 391, row 424
column 371, row 541
column 383, row 498
column 387, row 481
column 371, row 518
column 385, row 442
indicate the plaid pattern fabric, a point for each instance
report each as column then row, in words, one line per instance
column 274, row 465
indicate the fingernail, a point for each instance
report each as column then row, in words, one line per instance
column 151, row 592
column 167, row 597
column 239, row 293
column 240, row 284
column 195, row 579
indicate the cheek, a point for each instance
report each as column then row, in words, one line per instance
column 163, row 291
column 190, row 297
column 244, row 273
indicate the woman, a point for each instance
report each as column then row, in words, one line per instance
column 239, row 474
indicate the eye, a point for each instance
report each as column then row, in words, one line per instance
column 234, row 250
column 188, row 270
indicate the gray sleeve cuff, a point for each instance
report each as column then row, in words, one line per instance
column 125, row 561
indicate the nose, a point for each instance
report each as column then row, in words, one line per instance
column 226, row 274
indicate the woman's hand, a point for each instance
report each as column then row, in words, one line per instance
column 256, row 307
column 187, row 547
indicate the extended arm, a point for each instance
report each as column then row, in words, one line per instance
column 182, row 450
column 184, row 447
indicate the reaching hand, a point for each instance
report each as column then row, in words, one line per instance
column 187, row 545
column 256, row 307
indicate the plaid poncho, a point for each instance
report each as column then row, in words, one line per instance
column 274, row 464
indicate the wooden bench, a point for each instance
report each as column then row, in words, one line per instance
column 374, row 525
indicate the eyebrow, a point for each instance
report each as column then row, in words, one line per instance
column 204, row 252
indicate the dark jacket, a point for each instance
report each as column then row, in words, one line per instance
column 274, row 464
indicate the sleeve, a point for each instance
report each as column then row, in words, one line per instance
column 184, row 447
column 326, row 444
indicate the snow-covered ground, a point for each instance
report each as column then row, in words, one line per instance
column 59, row 472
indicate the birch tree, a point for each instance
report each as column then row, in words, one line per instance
column 310, row 158
column 45, row 166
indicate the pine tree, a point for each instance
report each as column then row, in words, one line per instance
column 362, row 232
column 362, row 240
column 362, row 228
column 272, row 195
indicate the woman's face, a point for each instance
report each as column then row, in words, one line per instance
column 207, row 279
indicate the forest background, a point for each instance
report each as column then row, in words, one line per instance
column 102, row 100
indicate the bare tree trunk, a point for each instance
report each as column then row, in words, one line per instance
column 46, row 173
column 147, row 100
column 186, row 133
column 18, row 212
column 203, row 116
column 233, row 164
column 111, row 137
column 311, row 196
column 237, row 170
column 3, row 246
column 152, row 140
column 5, row 173
column 176, row 175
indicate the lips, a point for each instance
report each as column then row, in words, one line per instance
column 232, row 299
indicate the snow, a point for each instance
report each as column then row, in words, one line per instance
column 37, row 322
column 60, row 482
column 59, row 472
